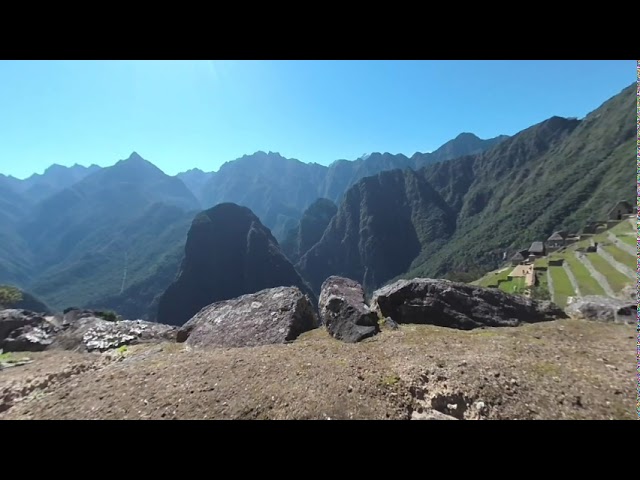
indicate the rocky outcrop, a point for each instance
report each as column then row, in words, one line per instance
column 458, row 305
column 93, row 333
column 228, row 253
column 21, row 330
column 275, row 315
column 603, row 309
column 344, row 312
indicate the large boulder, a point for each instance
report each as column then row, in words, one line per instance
column 603, row 309
column 459, row 305
column 90, row 333
column 274, row 315
column 344, row 312
column 25, row 331
column 13, row 318
column 21, row 330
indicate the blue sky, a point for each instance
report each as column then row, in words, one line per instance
column 186, row 114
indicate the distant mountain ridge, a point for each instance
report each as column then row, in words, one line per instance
column 276, row 188
column 115, row 238
column 461, row 215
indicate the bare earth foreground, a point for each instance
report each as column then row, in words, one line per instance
column 566, row 369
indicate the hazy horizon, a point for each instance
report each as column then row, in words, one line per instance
column 181, row 115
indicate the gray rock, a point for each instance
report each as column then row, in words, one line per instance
column 22, row 330
column 459, row 305
column 603, row 309
column 431, row 415
column 273, row 315
column 344, row 312
column 390, row 323
column 92, row 333
column 629, row 293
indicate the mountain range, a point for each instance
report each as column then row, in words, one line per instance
column 115, row 237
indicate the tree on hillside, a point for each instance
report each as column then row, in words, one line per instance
column 9, row 296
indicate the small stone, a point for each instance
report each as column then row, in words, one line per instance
column 349, row 389
column 497, row 374
column 480, row 406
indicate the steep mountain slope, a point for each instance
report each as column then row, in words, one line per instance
column 279, row 189
column 15, row 260
column 553, row 176
column 308, row 232
column 76, row 240
column 195, row 180
column 54, row 179
column 462, row 214
column 383, row 223
column 228, row 253
column 78, row 219
column 123, row 270
column 464, row 144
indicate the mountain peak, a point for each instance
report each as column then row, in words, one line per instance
column 54, row 167
column 134, row 157
column 467, row 136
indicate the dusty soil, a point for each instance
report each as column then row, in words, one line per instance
column 567, row 369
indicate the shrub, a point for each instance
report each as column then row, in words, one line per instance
column 9, row 296
column 108, row 315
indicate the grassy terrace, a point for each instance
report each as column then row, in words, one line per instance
column 586, row 283
column 514, row 286
column 561, row 285
column 616, row 280
column 621, row 256
column 628, row 239
column 492, row 278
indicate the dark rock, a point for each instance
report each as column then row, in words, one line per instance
column 458, row 305
column 22, row 330
column 344, row 312
column 228, row 253
column 71, row 315
column 11, row 319
column 603, row 309
column 274, row 315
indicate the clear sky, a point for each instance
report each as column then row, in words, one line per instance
column 185, row 114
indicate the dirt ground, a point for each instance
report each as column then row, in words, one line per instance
column 567, row 369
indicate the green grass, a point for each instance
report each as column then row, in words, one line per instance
column 493, row 277
column 10, row 357
column 622, row 227
column 621, row 256
column 587, row 284
column 390, row 380
column 541, row 262
column 561, row 285
column 628, row 239
column 616, row 280
column 513, row 286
